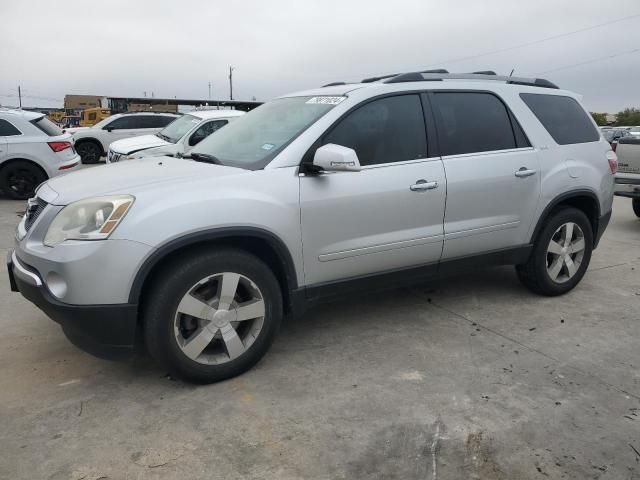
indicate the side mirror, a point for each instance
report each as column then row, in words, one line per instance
column 336, row 158
column 108, row 129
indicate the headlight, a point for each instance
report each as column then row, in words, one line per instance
column 90, row 219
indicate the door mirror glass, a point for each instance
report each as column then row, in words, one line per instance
column 336, row 158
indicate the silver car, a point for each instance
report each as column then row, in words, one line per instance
column 313, row 196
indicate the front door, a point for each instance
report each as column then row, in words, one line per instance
column 493, row 174
column 389, row 215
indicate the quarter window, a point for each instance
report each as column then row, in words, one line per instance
column 7, row 129
column 563, row 117
column 390, row 129
column 470, row 122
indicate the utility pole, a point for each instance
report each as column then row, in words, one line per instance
column 209, row 90
column 20, row 97
column 231, row 69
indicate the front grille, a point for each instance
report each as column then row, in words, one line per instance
column 35, row 206
column 112, row 156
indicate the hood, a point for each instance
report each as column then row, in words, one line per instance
column 135, row 144
column 128, row 178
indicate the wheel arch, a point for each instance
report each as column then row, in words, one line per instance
column 12, row 160
column 262, row 243
column 91, row 140
column 583, row 199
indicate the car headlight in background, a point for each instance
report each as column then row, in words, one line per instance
column 89, row 219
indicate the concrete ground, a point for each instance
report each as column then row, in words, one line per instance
column 473, row 378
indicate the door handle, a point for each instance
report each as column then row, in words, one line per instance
column 422, row 185
column 524, row 172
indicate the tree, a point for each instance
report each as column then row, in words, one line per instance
column 629, row 116
column 600, row 118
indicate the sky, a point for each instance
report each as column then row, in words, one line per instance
column 175, row 48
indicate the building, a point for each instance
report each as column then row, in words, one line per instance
column 75, row 103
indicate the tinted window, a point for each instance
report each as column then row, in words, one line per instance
column 47, row 126
column 470, row 122
column 205, row 130
column 391, row 129
column 123, row 122
column 155, row 121
column 563, row 117
column 7, row 129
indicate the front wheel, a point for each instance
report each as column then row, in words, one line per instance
column 19, row 179
column 212, row 315
column 560, row 255
column 636, row 206
column 89, row 151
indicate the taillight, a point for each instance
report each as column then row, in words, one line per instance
column 59, row 146
column 612, row 158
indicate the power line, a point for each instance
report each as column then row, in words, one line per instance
column 593, row 60
column 514, row 47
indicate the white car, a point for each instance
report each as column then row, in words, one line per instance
column 32, row 150
column 174, row 140
column 93, row 142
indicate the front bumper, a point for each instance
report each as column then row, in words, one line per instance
column 106, row 331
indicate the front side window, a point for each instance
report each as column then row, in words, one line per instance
column 155, row 121
column 563, row 117
column 123, row 123
column 470, row 122
column 7, row 129
column 254, row 139
column 386, row 130
column 205, row 130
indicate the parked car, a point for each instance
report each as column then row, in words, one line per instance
column 628, row 176
column 314, row 196
column 612, row 135
column 32, row 149
column 93, row 142
column 175, row 139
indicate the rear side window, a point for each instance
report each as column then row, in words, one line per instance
column 387, row 130
column 563, row 117
column 7, row 129
column 470, row 122
column 47, row 126
column 156, row 121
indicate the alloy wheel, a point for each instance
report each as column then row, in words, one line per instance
column 565, row 252
column 219, row 318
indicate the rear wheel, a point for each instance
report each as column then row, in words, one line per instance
column 19, row 179
column 636, row 206
column 561, row 254
column 90, row 152
column 212, row 315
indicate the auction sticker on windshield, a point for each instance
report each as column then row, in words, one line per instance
column 326, row 100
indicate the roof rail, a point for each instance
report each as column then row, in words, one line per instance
column 375, row 79
column 435, row 77
column 484, row 72
column 333, row 84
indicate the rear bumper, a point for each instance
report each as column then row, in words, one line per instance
column 627, row 186
column 106, row 331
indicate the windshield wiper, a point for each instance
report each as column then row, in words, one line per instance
column 203, row 157
column 164, row 137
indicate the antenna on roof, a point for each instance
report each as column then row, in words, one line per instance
column 512, row 70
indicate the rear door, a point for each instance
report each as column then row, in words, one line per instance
column 493, row 173
column 388, row 216
column 7, row 131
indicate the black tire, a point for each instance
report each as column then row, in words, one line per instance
column 19, row 179
column 534, row 274
column 89, row 151
column 636, row 206
column 175, row 280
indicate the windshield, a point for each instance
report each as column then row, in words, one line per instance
column 178, row 128
column 254, row 139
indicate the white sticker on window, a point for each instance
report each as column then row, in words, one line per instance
column 326, row 100
column 267, row 146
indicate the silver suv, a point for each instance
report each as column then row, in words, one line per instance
column 313, row 196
